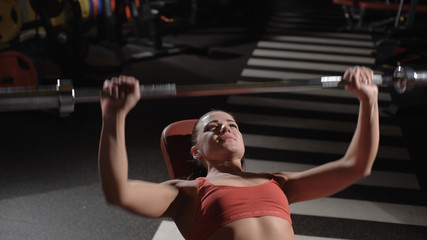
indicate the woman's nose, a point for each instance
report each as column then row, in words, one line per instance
column 224, row 128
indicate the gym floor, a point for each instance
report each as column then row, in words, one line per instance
column 48, row 167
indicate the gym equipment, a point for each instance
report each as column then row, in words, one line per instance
column 175, row 143
column 146, row 19
column 10, row 20
column 355, row 10
column 17, row 70
column 85, row 7
column 65, row 45
column 93, row 7
column 52, row 7
column 64, row 96
column 147, row 28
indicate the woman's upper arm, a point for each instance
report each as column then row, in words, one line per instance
column 318, row 182
column 149, row 199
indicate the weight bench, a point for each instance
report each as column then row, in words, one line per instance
column 175, row 143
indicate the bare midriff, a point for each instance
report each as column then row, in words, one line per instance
column 256, row 228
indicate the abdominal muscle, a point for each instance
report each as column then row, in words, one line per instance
column 255, row 228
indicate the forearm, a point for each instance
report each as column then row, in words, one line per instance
column 363, row 148
column 113, row 162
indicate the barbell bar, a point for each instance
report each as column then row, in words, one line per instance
column 63, row 96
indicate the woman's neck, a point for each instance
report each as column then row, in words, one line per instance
column 225, row 168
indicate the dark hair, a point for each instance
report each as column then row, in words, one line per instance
column 198, row 170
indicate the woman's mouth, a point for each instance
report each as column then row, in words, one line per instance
column 226, row 137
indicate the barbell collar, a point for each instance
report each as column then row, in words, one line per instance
column 406, row 77
column 66, row 97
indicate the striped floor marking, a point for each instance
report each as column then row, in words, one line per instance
column 313, row 56
column 377, row 178
column 295, row 104
column 302, row 26
column 315, row 48
column 168, row 231
column 276, row 121
column 315, row 146
column 382, row 96
column 271, row 74
column 334, row 92
column 298, row 65
column 319, row 34
column 363, row 210
column 320, row 40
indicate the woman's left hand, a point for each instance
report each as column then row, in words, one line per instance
column 359, row 83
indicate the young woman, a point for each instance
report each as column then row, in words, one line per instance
column 229, row 203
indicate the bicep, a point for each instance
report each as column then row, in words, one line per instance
column 148, row 199
column 318, row 182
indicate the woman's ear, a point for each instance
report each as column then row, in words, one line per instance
column 195, row 152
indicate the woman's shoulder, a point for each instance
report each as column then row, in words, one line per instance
column 180, row 183
column 279, row 177
column 263, row 175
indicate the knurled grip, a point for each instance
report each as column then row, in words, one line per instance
column 337, row 81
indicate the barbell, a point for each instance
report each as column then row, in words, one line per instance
column 63, row 96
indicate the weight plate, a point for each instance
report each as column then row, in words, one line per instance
column 17, row 70
column 10, row 20
column 85, row 8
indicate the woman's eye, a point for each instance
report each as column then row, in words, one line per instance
column 234, row 126
column 210, row 128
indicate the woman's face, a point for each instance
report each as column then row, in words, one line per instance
column 219, row 138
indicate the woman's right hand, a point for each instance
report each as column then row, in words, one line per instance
column 124, row 95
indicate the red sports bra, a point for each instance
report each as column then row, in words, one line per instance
column 219, row 205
